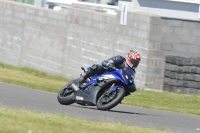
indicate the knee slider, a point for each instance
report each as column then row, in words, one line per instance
column 131, row 88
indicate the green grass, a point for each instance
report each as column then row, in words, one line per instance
column 31, row 78
column 22, row 121
column 181, row 103
column 168, row 101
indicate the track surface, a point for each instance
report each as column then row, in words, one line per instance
column 19, row 97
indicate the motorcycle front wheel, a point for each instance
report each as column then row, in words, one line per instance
column 110, row 99
column 66, row 93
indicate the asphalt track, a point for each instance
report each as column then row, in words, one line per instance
column 19, row 97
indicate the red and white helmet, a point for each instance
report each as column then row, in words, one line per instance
column 133, row 59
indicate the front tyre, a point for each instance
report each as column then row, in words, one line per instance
column 110, row 99
column 66, row 94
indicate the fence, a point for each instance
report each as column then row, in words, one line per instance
column 26, row 1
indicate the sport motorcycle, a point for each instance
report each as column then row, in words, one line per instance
column 104, row 91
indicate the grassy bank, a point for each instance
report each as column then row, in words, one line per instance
column 21, row 121
column 189, row 104
column 149, row 99
column 31, row 78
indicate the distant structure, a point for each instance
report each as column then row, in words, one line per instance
column 180, row 9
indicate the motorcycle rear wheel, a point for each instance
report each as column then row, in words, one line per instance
column 65, row 95
column 106, row 102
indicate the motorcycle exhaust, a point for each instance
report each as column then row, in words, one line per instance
column 74, row 87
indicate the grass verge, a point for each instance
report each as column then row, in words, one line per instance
column 31, row 78
column 22, row 121
column 181, row 103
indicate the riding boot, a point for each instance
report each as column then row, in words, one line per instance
column 82, row 79
column 91, row 71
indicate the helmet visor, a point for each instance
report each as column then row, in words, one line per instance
column 134, row 62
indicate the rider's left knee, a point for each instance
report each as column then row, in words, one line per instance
column 132, row 88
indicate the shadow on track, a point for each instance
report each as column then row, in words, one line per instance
column 115, row 111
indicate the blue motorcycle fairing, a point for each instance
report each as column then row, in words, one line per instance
column 125, row 76
column 117, row 78
column 130, row 73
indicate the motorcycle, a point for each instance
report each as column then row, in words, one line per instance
column 104, row 91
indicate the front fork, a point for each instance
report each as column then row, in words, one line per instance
column 114, row 87
column 111, row 93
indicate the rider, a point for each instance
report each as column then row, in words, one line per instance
column 131, row 60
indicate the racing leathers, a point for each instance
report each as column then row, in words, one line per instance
column 116, row 61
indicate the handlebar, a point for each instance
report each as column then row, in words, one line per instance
column 110, row 68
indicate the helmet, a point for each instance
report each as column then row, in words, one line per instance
column 133, row 58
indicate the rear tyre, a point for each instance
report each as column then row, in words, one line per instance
column 66, row 94
column 109, row 100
